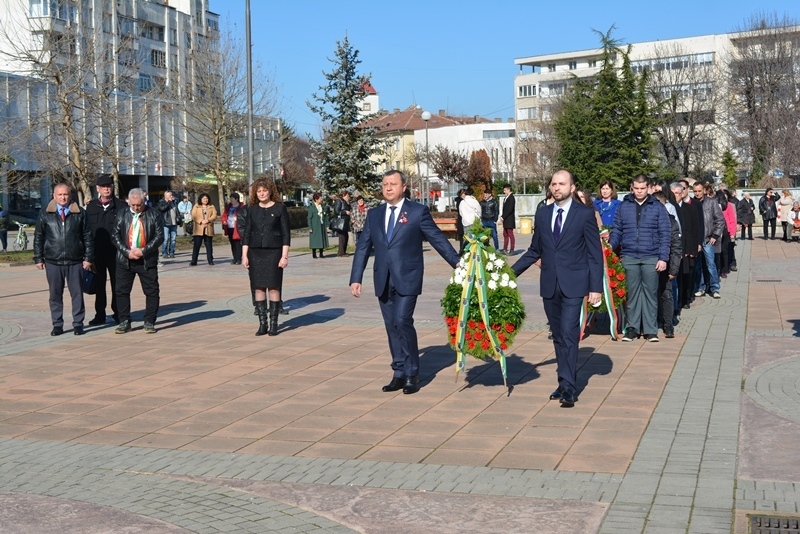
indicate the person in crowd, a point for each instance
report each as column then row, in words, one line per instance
column 729, row 214
column 566, row 242
column 171, row 215
column 3, row 229
column 746, row 215
column 102, row 213
column 642, row 229
column 490, row 211
column 469, row 210
column 203, row 216
column 358, row 216
column 769, row 212
column 508, row 220
column 794, row 216
column 317, row 223
column 265, row 248
column 723, row 258
column 230, row 227
column 341, row 208
column 63, row 246
column 690, row 244
column 394, row 231
column 138, row 233
column 666, row 303
column 459, row 225
column 185, row 207
column 784, row 207
column 585, row 198
column 607, row 202
column 713, row 228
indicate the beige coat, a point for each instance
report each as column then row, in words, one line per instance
column 785, row 206
column 197, row 218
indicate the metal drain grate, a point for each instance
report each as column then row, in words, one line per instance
column 770, row 281
column 767, row 524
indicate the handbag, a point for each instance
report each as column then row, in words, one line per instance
column 179, row 219
column 337, row 224
column 189, row 226
column 89, row 282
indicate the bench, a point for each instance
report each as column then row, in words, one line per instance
column 447, row 226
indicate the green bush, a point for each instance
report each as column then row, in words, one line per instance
column 298, row 217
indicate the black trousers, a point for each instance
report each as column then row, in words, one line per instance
column 685, row 281
column 57, row 277
column 773, row 224
column 148, row 278
column 343, row 238
column 206, row 240
column 236, row 249
column 749, row 231
column 666, row 304
column 106, row 269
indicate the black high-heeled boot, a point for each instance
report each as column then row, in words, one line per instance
column 261, row 308
column 274, row 308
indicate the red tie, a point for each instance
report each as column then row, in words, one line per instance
column 63, row 215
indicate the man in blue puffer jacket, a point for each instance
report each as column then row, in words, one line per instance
column 642, row 229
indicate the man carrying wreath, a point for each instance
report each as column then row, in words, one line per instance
column 565, row 240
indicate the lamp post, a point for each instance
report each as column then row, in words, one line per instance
column 250, row 141
column 146, row 177
column 426, row 116
column 524, row 136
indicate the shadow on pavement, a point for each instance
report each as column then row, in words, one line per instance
column 596, row 364
column 300, row 303
column 193, row 318
column 312, row 318
column 174, row 307
column 795, row 326
column 518, row 371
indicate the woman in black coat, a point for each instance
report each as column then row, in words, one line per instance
column 341, row 208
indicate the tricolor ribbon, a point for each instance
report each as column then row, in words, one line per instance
column 476, row 279
column 608, row 296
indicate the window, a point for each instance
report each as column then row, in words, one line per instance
column 551, row 67
column 187, row 39
column 145, row 82
column 367, row 106
column 173, row 37
column 153, row 32
column 213, row 24
column 592, row 63
column 39, row 8
column 527, row 114
column 173, row 61
column 498, row 134
column 526, row 90
column 127, row 26
column 125, row 57
column 573, row 65
column 556, row 89
column 158, row 58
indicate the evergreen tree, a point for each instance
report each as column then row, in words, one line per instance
column 604, row 126
column 343, row 154
column 729, row 165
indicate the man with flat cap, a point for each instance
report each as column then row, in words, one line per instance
column 102, row 213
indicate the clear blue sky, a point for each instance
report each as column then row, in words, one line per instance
column 458, row 56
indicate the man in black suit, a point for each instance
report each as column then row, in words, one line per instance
column 567, row 247
column 395, row 230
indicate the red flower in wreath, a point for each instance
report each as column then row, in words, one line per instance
column 611, row 272
column 620, row 293
column 472, row 324
column 485, row 344
column 501, row 337
column 481, row 326
column 477, row 336
column 509, row 328
column 452, row 329
column 613, row 284
column 496, row 327
column 467, row 336
column 620, row 276
column 470, row 344
column 504, row 346
column 614, row 260
column 606, row 252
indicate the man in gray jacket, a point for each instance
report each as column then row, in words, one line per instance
column 714, row 225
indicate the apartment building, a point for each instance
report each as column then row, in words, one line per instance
column 690, row 68
column 139, row 52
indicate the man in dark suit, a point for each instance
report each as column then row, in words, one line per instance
column 566, row 241
column 395, row 230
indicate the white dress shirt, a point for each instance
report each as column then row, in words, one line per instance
column 397, row 213
column 556, row 207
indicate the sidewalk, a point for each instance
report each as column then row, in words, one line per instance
column 204, row 427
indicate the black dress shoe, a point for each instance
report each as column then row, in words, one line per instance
column 97, row 321
column 396, row 384
column 57, row 331
column 78, row 330
column 412, row 385
column 567, row 399
column 556, row 394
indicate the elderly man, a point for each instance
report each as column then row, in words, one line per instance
column 138, row 232
column 63, row 246
column 102, row 213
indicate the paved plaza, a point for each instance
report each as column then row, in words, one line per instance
column 204, row 427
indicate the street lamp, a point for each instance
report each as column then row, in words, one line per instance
column 426, row 116
column 524, row 136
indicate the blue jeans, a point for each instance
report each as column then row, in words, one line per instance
column 170, row 234
column 493, row 226
column 711, row 284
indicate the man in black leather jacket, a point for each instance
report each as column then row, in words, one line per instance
column 63, row 245
column 138, row 232
column 490, row 211
column 102, row 214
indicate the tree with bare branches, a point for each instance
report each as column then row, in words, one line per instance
column 449, row 165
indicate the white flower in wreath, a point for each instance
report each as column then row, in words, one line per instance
column 503, row 283
column 489, row 266
column 499, row 263
column 506, row 278
column 495, row 277
column 452, row 279
column 512, row 284
column 492, row 257
column 492, row 285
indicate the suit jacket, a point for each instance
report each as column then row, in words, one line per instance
column 575, row 263
column 509, row 208
column 401, row 258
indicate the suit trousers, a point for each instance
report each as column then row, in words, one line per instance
column 642, row 304
column 398, row 317
column 236, row 248
column 204, row 240
column 57, row 277
column 666, row 303
column 149, row 280
column 563, row 314
column 106, row 269
column 344, row 237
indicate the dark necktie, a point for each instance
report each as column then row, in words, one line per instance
column 63, row 214
column 557, row 226
column 390, row 228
